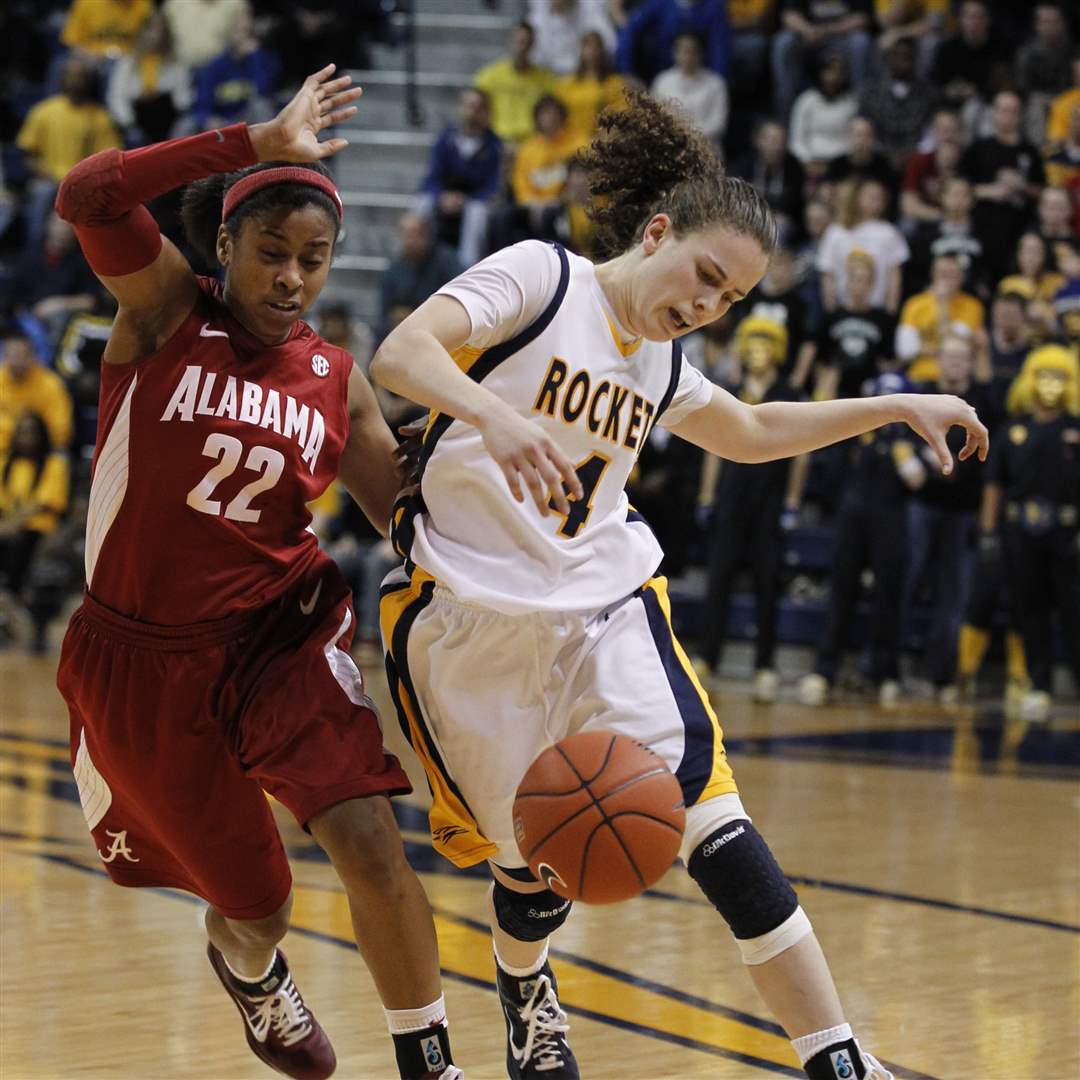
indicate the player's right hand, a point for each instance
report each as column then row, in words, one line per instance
column 293, row 135
column 529, row 459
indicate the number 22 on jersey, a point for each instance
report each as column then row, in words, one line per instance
column 227, row 450
column 589, row 473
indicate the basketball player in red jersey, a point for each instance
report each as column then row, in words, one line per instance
column 208, row 661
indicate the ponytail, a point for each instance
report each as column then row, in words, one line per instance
column 200, row 212
column 650, row 159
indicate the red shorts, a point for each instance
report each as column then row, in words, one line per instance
column 176, row 732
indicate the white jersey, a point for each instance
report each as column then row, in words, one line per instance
column 545, row 341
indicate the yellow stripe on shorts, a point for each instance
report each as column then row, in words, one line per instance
column 454, row 831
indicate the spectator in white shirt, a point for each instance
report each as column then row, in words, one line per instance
column 820, row 117
column 149, row 89
column 863, row 229
column 559, row 25
column 700, row 91
column 200, row 28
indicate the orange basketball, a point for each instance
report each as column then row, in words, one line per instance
column 599, row 817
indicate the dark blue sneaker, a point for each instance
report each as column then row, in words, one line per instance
column 536, row 1027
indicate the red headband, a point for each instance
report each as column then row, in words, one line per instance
column 288, row 174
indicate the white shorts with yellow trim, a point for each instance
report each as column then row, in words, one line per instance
column 480, row 694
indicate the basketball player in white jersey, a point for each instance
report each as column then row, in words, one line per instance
column 519, row 620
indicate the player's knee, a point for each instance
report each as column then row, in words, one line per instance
column 262, row 933
column 363, row 842
column 529, row 916
column 735, row 869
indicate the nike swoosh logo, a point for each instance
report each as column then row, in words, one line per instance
column 309, row 607
column 205, row 331
column 549, row 874
column 259, row 1031
column 518, row 1054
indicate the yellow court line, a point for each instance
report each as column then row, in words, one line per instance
column 467, row 951
column 31, row 749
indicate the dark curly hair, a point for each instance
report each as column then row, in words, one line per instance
column 648, row 159
column 200, row 207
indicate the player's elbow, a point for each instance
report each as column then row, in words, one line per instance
column 752, row 437
column 395, row 356
column 383, row 363
column 83, row 198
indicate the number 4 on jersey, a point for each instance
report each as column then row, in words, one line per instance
column 589, row 472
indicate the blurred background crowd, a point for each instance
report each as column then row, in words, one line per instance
column 923, row 159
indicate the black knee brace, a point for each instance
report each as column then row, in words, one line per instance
column 529, row 916
column 735, row 869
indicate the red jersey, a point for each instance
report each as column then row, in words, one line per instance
column 207, row 453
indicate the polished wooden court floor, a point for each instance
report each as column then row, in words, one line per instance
column 938, row 855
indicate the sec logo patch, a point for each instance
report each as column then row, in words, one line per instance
column 320, row 365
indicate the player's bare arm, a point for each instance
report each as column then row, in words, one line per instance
column 151, row 279
column 368, row 468
column 415, row 362
column 753, row 433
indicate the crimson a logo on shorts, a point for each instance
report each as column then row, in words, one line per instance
column 320, row 365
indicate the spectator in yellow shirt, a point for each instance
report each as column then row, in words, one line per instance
column 33, row 496
column 27, row 386
column 67, row 127
column 1062, row 158
column 928, row 316
column 540, row 167
column 514, row 85
column 1063, row 106
column 106, row 28
column 1035, row 282
column 592, row 88
column 57, row 134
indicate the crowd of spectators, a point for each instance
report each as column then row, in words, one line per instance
column 921, row 156
column 77, row 78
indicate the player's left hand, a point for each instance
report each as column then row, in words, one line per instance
column 293, row 135
column 407, row 454
column 932, row 415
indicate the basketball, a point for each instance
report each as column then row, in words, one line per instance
column 598, row 817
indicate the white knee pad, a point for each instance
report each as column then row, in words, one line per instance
column 791, row 931
column 706, row 817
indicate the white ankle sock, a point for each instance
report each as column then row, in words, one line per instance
column 806, row 1046
column 522, row 973
column 402, row 1021
column 251, row 978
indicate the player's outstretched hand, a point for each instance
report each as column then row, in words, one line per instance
column 530, row 459
column 293, row 135
column 932, row 415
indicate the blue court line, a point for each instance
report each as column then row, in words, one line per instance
column 425, row 859
column 1045, row 752
column 485, row 984
column 902, row 898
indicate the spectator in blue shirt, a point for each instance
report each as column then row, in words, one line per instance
column 421, row 269
column 646, row 44
column 239, row 84
column 463, row 178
